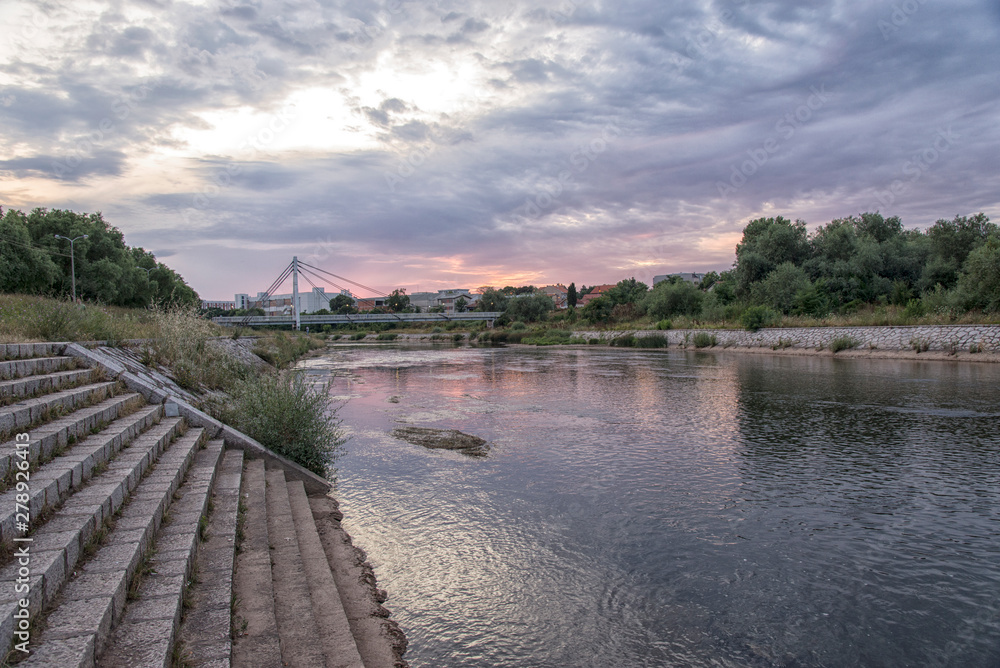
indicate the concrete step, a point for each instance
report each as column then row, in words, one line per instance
column 255, row 629
column 91, row 603
column 56, row 546
column 380, row 641
column 55, row 435
column 31, row 412
column 13, row 351
column 21, row 368
column 334, row 630
column 293, row 610
column 205, row 638
column 147, row 633
column 53, row 482
column 21, row 388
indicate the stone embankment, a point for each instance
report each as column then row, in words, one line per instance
column 914, row 338
column 135, row 531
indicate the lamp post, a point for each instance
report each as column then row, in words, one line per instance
column 72, row 259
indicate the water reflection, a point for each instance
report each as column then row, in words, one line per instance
column 645, row 508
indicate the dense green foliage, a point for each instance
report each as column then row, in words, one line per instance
column 288, row 416
column 868, row 262
column 34, row 261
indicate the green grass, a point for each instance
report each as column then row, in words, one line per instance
column 288, row 416
column 843, row 343
column 704, row 340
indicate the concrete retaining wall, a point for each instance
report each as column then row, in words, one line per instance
column 949, row 338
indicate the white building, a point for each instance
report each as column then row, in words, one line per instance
column 282, row 304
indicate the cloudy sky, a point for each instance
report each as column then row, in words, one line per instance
column 440, row 144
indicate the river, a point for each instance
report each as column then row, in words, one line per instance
column 668, row 508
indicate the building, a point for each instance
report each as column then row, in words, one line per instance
column 595, row 292
column 309, row 302
column 242, row 301
column 423, row 300
column 447, row 299
column 225, row 306
column 689, row 277
column 558, row 293
column 369, row 303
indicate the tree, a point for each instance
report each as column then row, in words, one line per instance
column 460, row 305
column 628, row 291
column 398, row 301
column 571, row 295
column 342, row 305
column 766, row 243
column 669, row 298
column 979, row 283
column 491, row 300
column 597, row 310
column 23, row 268
column 529, row 308
column 106, row 268
column 780, row 288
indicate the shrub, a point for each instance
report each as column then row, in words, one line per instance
column 518, row 326
column 914, row 309
column 756, row 317
column 387, row 336
column 664, row 324
column 624, row 341
column 357, row 336
column 457, row 337
column 704, row 340
column 843, row 343
column 651, row 341
column 667, row 299
column 593, row 341
column 288, row 416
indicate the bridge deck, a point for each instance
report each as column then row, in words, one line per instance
column 488, row 316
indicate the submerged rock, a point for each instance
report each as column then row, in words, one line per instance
column 443, row 439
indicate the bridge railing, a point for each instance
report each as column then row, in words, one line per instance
column 357, row 318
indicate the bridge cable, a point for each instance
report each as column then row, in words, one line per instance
column 377, row 293
column 322, row 279
column 286, row 272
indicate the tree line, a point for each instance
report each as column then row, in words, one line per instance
column 34, row 261
column 851, row 263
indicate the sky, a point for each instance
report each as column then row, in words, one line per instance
column 430, row 145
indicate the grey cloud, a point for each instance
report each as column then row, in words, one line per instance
column 691, row 89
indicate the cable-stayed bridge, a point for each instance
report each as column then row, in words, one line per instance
column 296, row 319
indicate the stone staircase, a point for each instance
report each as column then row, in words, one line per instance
column 139, row 532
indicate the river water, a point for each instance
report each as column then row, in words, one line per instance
column 653, row 508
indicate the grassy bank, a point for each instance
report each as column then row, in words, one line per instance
column 271, row 404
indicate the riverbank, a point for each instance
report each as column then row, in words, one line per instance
column 55, row 390
column 971, row 343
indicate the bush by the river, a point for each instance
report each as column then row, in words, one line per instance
column 287, row 415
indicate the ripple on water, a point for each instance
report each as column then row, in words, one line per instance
column 649, row 509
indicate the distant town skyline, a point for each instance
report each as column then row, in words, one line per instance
column 442, row 145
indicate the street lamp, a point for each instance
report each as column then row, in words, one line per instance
column 72, row 259
column 145, row 270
